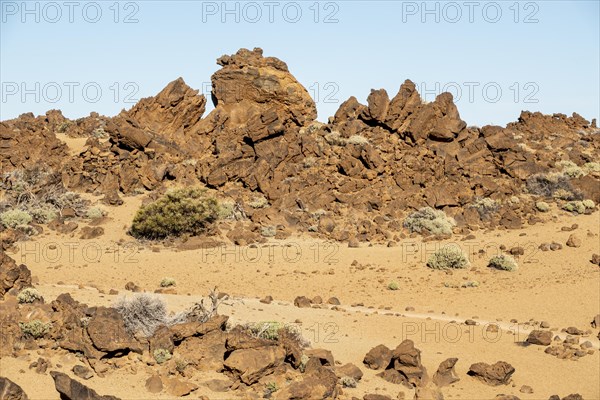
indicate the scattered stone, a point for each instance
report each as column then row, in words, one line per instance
column 82, row 372
column 70, row 389
column 266, row 300
column 334, row 301
column 378, row 357
column 526, row 389
column 11, row 391
column 302, row 302
column 574, row 241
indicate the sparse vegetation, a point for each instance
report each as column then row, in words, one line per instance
column 271, row 387
column 579, row 207
column 591, row 167
column 168, row 282
column 95, row 212
column 303, row 361
column 503, row 262
column 448, row 257
column 348, row 382
column 258, row 202
column 178, row 212
column 162, row 355
column 272, row 330
column 15, row 218
column 35, row 329
column 486, row 207
column 143, row 313
column 28, row 295
column 393, row 285
column 553, row 185
column 542, row 206
column 570, row 169
column 434, row 221
column 357, row 140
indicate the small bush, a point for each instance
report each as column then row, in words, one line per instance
column 35, row 329
column 348, row 382
column 357, row 140
column 168, row 282
column 28, row 295
column 266, row 329
column 551, row 186
column 162, row 355
column 486, row 207
column 576, row 207
column 178, row 212
column 542, row 206
column 259, row 202
column 432, row 220
column 303, row 361
column 503, row 262
column 268, row 231
column 589, row 204
column 591, row 167
column 143, row 313
column 14, row 218
column 43, row 214
column 335, row 139
column 571, row 169
column 95, row 212
column 448, row 257
column 393, row 286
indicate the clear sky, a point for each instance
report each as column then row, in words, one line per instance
column 499, row 57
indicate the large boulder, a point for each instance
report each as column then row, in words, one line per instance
column 250, row 365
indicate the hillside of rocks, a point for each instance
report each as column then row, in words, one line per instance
column 352, row 178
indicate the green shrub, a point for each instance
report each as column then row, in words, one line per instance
column 14, row 218
column 434, row 221
column 259, row 202
column 589, row 204
column 448, row 257
column 162, row 355
column 571, row 169
column 168, row 282
column 576, row 207
column 542, row 206
column 35, row 328
column 486, row 207
column 272, row 387
column 43, row 214
column 95, row 212
column 348, row 382
column 28, row 295
column 503, row 262
column 591, row 167
column 178, row 212
column 393, row 286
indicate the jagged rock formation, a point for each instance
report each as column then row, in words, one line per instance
column 355, row 177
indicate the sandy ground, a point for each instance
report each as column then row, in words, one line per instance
column 561, row 287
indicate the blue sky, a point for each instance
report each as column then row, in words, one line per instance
column 499, row 57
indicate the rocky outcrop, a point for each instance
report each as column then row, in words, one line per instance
column 13, row 277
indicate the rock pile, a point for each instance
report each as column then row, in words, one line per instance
column 351, row 179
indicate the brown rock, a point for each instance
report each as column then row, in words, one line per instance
column 541, row 338
column 82, row 372
column 11, row 391
column 445, row 374
column 250, row 365
column 88, row 232
column 494, row 375
column 70, row 389
column 13, row 277
column 154, row 384
column 574, row 241
column 378, row 357
column 108, row 334
column 350, row 370
column 302, row 302
column 179, row 388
